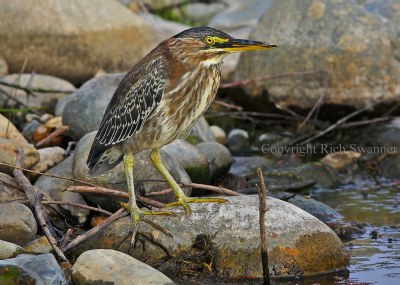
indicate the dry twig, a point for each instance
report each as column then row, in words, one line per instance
column 34, row 197
column 54, row 134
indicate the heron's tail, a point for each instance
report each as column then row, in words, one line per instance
column 104, row 161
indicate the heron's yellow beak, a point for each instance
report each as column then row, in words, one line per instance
column 236, row 45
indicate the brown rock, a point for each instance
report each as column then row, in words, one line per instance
column 8, row 130
column 340, row 160
column 8, row 154
column 9, row 188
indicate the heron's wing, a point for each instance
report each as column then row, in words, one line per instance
column 134, row 101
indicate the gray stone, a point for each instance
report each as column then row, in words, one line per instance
column 46, row 100
column 115, row 178
column 8, row 130
column 318, row 209
column 3, row 67
column 219, row 134
column 32, row 269
column 191, row 159
column 201, row 132
column 53, row 186
column 238, row 140
column 298, row 243
column 38, row 246
column 30, row 128
column 201, row 13
column 95, row 34
column 9, row 189
column 218, row 156
column 49, row 156
column 247, row 165
column 8, row 154
column 9, row 250
column 355, row 49
column 390, row 166
column 99, row 266
column 84, row 109
column 17, row 223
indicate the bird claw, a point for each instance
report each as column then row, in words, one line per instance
column 137, row 214
column 184, row 201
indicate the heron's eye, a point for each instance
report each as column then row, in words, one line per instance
column 209, row 40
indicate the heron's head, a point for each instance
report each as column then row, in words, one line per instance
column 211, row 45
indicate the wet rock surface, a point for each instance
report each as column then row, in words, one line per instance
column 103, row 266
column 17, row 223
column 32, row 269
column 298, row 242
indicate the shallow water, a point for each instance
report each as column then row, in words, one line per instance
column 375, row 254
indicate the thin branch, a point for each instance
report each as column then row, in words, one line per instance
column 262, row 193
column 41, row 215
column 227, row 105
column 32, row 90
column 34, row 197
column 338, row 123
column 271, row 77
column 54, row 134
column 94, row 209
column 117, row 215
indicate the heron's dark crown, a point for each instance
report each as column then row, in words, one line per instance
column 201, row 32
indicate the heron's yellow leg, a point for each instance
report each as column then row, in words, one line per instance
column 131, row 206
column 182, row 198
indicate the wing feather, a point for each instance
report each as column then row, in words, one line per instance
column 133, row 103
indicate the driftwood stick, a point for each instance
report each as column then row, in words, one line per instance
column 34, row 197
column 216, row 189
column 262, row 193
column 54, row 134
column 79, row 206
column 97, row 190
column 41, row 215
column 118, row 214
column 32, row 90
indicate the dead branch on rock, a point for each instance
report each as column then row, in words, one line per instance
column 216, row 189
column 52, row 135
column 31, row 91
column 117, row 215
column 94, row 209
column 227, row 105
column 262, row 194
column 34, row 197
column 111, row 192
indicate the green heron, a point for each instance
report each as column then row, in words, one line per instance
column 158, row 101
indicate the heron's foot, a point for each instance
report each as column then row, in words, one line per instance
column 184, row 201
column 137, row 214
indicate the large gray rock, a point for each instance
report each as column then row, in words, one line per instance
column 8, row 154
column 298, row 243
column 53, row 186
column 191, row 159
column 355, row 49
column 115, row 178
column 84, row 110
column 73, row 39
column 32, row 269
column 99, row 266
column 44, row 100
column 218, row 156
column 17, row 223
